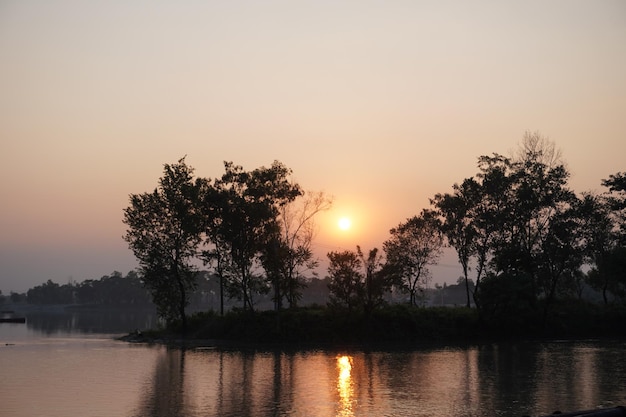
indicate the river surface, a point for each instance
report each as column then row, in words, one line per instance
column 69, row 365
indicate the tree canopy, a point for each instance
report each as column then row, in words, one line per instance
column 523, row 238
column 414, row 246
column 164, row 231
column 517, row 223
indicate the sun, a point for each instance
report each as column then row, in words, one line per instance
column 344, row 223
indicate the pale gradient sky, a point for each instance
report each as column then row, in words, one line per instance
column 379, row 103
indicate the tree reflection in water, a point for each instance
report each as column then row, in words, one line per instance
column 167, row 396
column 344, row 386
column 475, row 381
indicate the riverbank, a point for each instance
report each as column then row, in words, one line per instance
column 25, row 308
column 397, row 324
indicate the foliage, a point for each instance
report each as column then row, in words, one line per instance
column 377, row 280
column 412, row 247
column 113, row 290
column 319, row 325
column 515, row 223
column 609, row 276
column 506, row 298
column 242, row 211
column 164, row 231
column 518, row 221
column 402, row 324
column 346, row 281
column 289, row 255
column 605, row 238
column 616, row 201
column 458, row 225
column 50, row 293
column 358, row 282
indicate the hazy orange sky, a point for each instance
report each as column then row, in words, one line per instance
column 381, row 104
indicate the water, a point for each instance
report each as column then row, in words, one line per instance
column 75, row 369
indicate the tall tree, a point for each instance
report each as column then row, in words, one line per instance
column 414, row 246
column 616, row 200
column 562, row 251
column 458, row 224
column 491, row 188
column 535, row 147
column 214, row 208
column 245, row 208
column 164, row 231
column 599, row 239
column 289, row 254
column 346, row 280
column 605, row 227
column 527, row 219
column 377, row 280
column 515, row 218
column 542, row 206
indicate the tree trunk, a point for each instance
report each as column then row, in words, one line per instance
column 221, row 295
column 277, row 296
column 549, row 299
column 467, row 290
column 181, row 305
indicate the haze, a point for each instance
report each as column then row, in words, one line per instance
column 381, row 104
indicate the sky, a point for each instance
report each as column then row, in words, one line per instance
column 380, row 104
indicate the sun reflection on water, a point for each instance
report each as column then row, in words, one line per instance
column 344, row 386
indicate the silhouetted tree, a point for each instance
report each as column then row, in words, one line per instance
column 561, row 253
column 17, row 297
column 493, row 184
column 506, row 298
column 377, row 280
column 164, row 231
column 218, row 255
column 459, row 225
column 616, row 200
column 538, row 199
column 526, row 221
column 346, row 280
column 50, row 293
column 288, row 254
column 243, row 210
column 515, row 217
column 472, row 217
column 414, row 246
column 535, row 147
column 604, row 225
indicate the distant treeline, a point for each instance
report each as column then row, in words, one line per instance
column 113, row 290
column 119, row 290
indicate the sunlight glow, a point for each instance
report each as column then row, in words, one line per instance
column 344, row 223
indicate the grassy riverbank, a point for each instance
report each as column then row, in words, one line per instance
column 397, row 324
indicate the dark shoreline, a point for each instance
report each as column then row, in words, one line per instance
column 393, row 327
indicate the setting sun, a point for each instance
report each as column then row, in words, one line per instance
column 344, row 223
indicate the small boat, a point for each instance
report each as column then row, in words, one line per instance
column 12, row 319
column 600, row 412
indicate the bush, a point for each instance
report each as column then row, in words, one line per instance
column 405, row 324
